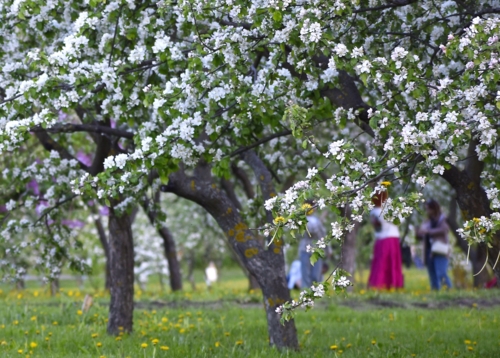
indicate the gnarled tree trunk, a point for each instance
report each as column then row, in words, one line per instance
column 477, row 254
column 267, row 265
column 472, row 200
column 121, row 265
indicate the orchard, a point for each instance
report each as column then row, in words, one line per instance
column 141, row 140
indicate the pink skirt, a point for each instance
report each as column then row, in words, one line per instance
column 386, row 271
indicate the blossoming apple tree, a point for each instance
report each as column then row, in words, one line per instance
column 176, row 93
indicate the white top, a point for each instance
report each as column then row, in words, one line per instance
column 295, row 274
column 387, row 229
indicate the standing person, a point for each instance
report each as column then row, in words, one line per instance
column 315, row 231
column 436, row 245
column 386, row 271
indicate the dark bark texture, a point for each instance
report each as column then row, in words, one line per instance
column 105, row 246
column 121, row 258
column 477, row 254
column 473, row 202
column 267, row 265
column 174, row 267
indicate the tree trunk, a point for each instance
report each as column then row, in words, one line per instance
column 350, row 252
column 266, row 264
column 174, row 267
column 253, row 283
column 473, row 202
column 190, row 277
column 54, row 287
column 477, row 254
column 104, row 242
column 20, row 285
column 121, row 259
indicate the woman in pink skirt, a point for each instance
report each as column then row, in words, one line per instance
column 386, row 271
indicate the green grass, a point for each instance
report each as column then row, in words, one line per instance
column 229, row 322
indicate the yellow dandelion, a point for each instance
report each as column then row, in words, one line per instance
column 164, row 319
column 144, row 345
column 334, row 347
column 33, row 318
column 55, row 323
column 33, row 345
column 217, row 344
column 349, row 345
column 164, row 348
column 95, row 335
column 307, row 331
column 280, row 220
column 79, row 312
column 20, row 351
column 469, row 348
column 99, row 344
column 374, row 342
column 118, row 339
column 467, row 342
column 227, row 334
column 239, row 343
column 155, row 341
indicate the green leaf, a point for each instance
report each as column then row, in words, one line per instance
column 277, row 16
column 304, row 144
column 314, row 258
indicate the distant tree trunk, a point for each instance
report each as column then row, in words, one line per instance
column 349, row 248
column 20, row 285
column 121, row 259
column 54, row 286
column 472, row 198
column 477, row 254
column 174, row 267
column 191, row 263
column 266, row 264
column 105, row 246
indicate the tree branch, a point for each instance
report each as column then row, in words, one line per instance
column 90, row 128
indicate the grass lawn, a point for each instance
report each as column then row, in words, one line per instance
column 229, row 322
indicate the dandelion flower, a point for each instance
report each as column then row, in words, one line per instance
column 334, row 347
column 144, row 345
column 155, row 341
column 280, row 220
column 164, row 348
column 99, row 344
column 217, row 344
column 33, row 345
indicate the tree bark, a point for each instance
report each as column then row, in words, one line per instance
column 477, row 254
column 121, row 259
column 174, row 267
column 474, row 203
column 267, row 265
column 104, row 242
